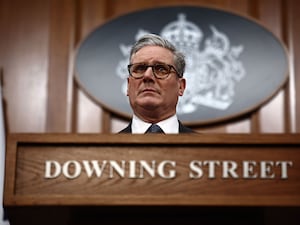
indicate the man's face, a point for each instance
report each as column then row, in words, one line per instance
column 155, row 97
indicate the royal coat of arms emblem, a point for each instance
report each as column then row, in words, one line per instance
column 213, row 66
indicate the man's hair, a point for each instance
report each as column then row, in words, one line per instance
column 155, row 40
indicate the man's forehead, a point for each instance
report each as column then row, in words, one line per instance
column 153, row 54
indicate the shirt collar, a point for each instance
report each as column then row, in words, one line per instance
column 169, row 126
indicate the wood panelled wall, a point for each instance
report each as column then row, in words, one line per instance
column 39, row 40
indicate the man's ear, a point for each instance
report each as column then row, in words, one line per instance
column 182, row 84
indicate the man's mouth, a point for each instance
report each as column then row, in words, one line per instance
column 149, row 90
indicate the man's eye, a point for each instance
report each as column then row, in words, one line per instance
column 161, row 68
column 140, row 68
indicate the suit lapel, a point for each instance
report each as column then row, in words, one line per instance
column 127, row 129
column 184, row 129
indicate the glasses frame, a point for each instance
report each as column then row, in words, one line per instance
column 152, row 67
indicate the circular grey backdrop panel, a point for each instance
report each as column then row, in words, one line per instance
column 233, row 63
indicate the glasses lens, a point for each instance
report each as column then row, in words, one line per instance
column 138, row 70
column 161, row 70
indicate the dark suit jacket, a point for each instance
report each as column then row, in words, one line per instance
column 182, row 129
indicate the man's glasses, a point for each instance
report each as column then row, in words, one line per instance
column 160, row 71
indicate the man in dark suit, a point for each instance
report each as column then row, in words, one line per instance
column 155, row 83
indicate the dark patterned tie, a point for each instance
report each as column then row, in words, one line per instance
column 154, row 128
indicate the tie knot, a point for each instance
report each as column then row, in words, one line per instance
column 154, row 128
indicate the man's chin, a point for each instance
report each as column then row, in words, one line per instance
column 149, row 103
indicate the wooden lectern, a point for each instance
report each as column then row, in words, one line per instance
column 152, row 179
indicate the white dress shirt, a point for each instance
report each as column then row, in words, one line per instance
column 169, row 126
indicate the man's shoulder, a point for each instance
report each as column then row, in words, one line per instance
column 126, row 130
column 184, row 129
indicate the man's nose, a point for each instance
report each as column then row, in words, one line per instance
column 149, row 73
